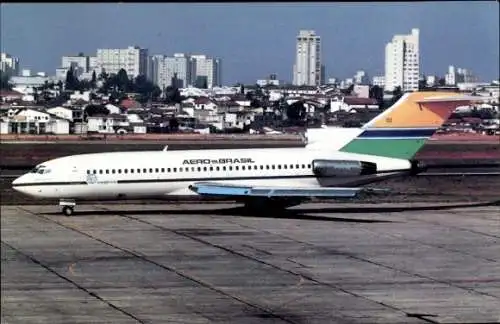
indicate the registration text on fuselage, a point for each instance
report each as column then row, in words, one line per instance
column 219, row 161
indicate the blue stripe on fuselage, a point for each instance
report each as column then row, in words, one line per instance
column 399, row 133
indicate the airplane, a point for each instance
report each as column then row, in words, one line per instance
column 335, row 163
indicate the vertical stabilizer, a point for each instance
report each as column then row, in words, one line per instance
column 402, row 130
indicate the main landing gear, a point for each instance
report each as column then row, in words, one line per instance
column 68, row 207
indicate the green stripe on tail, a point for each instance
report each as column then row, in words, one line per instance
column 394, row 148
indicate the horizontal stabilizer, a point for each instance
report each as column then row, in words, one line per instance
column 222, row 190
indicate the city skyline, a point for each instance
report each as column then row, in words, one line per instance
column 255, row 40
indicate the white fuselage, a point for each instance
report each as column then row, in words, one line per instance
column 155, row 174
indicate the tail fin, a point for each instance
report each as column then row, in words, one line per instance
column 402, row 130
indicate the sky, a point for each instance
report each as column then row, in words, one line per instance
column 255, row 40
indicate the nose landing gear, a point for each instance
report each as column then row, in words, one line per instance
column 68, row 207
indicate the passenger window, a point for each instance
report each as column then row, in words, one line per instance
column 297, row 166
column 262, row 167
column 119, row 170
column 236, row 168
column 107, row 171
column 291, row 166
column 308, row 166
column 180, row 169
column 303, row 166
column 144, row 170
column 113, row 171
column 204, row 168
column 125, row 170
column 131, row 170
column 93, row 171
column 192, row 169
column 211, row 168
column 168, row 170
column 162, row 170
column 273, row 167
column 100, row 171
column 267, row 167
column 157, row 170
column 150, row 170
column 175, row 169
column 242, row 167
column 199, row 169
column 138, row 170
column 224, row 168
column 284, row 166
column 217, row 168
column 88, row 172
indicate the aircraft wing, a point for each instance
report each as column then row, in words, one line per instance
column 235, row 191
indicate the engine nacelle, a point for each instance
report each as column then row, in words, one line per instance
column 343, row 168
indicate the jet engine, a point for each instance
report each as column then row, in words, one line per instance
column 343, row 168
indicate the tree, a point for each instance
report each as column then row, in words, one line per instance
column 35, row 94
column 173, row 124
column 296, row 111
column 71, row 81
column 156, row 93
column 377, row 93
column 122, row 80
column 5, row 81
column 172, row 95
column 397, row 93
column 93, row 82
column 422, row 85
column 92, row 110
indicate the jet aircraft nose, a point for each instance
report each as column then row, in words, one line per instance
column 18, row 182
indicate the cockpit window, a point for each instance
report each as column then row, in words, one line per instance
column 40, row 169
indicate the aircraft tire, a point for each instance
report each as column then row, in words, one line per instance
column 67, row 210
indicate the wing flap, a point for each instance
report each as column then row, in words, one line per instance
column 216, row 189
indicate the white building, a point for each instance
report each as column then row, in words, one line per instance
column 272, row 80
column 28, row 81
column 9, row 64
column 361, row 77
column 459, row 75
column 154, row 64
column 431, row 80
column 178, row 67
column 207, row 69
column 378, row 80
column 402, row 63
column 80, row 60
column 307, row 69
column 132, row 59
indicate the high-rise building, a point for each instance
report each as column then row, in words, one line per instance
column 175, row 71
column 9, row 64
column 402, row 63
column 206, row 68
column 155, row 63
column 378, row 80
column 307, row 69
column 459, row 75
column 80, row 60
column 132, row 59
column 361, row 77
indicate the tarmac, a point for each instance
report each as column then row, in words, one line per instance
column 213, row 263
